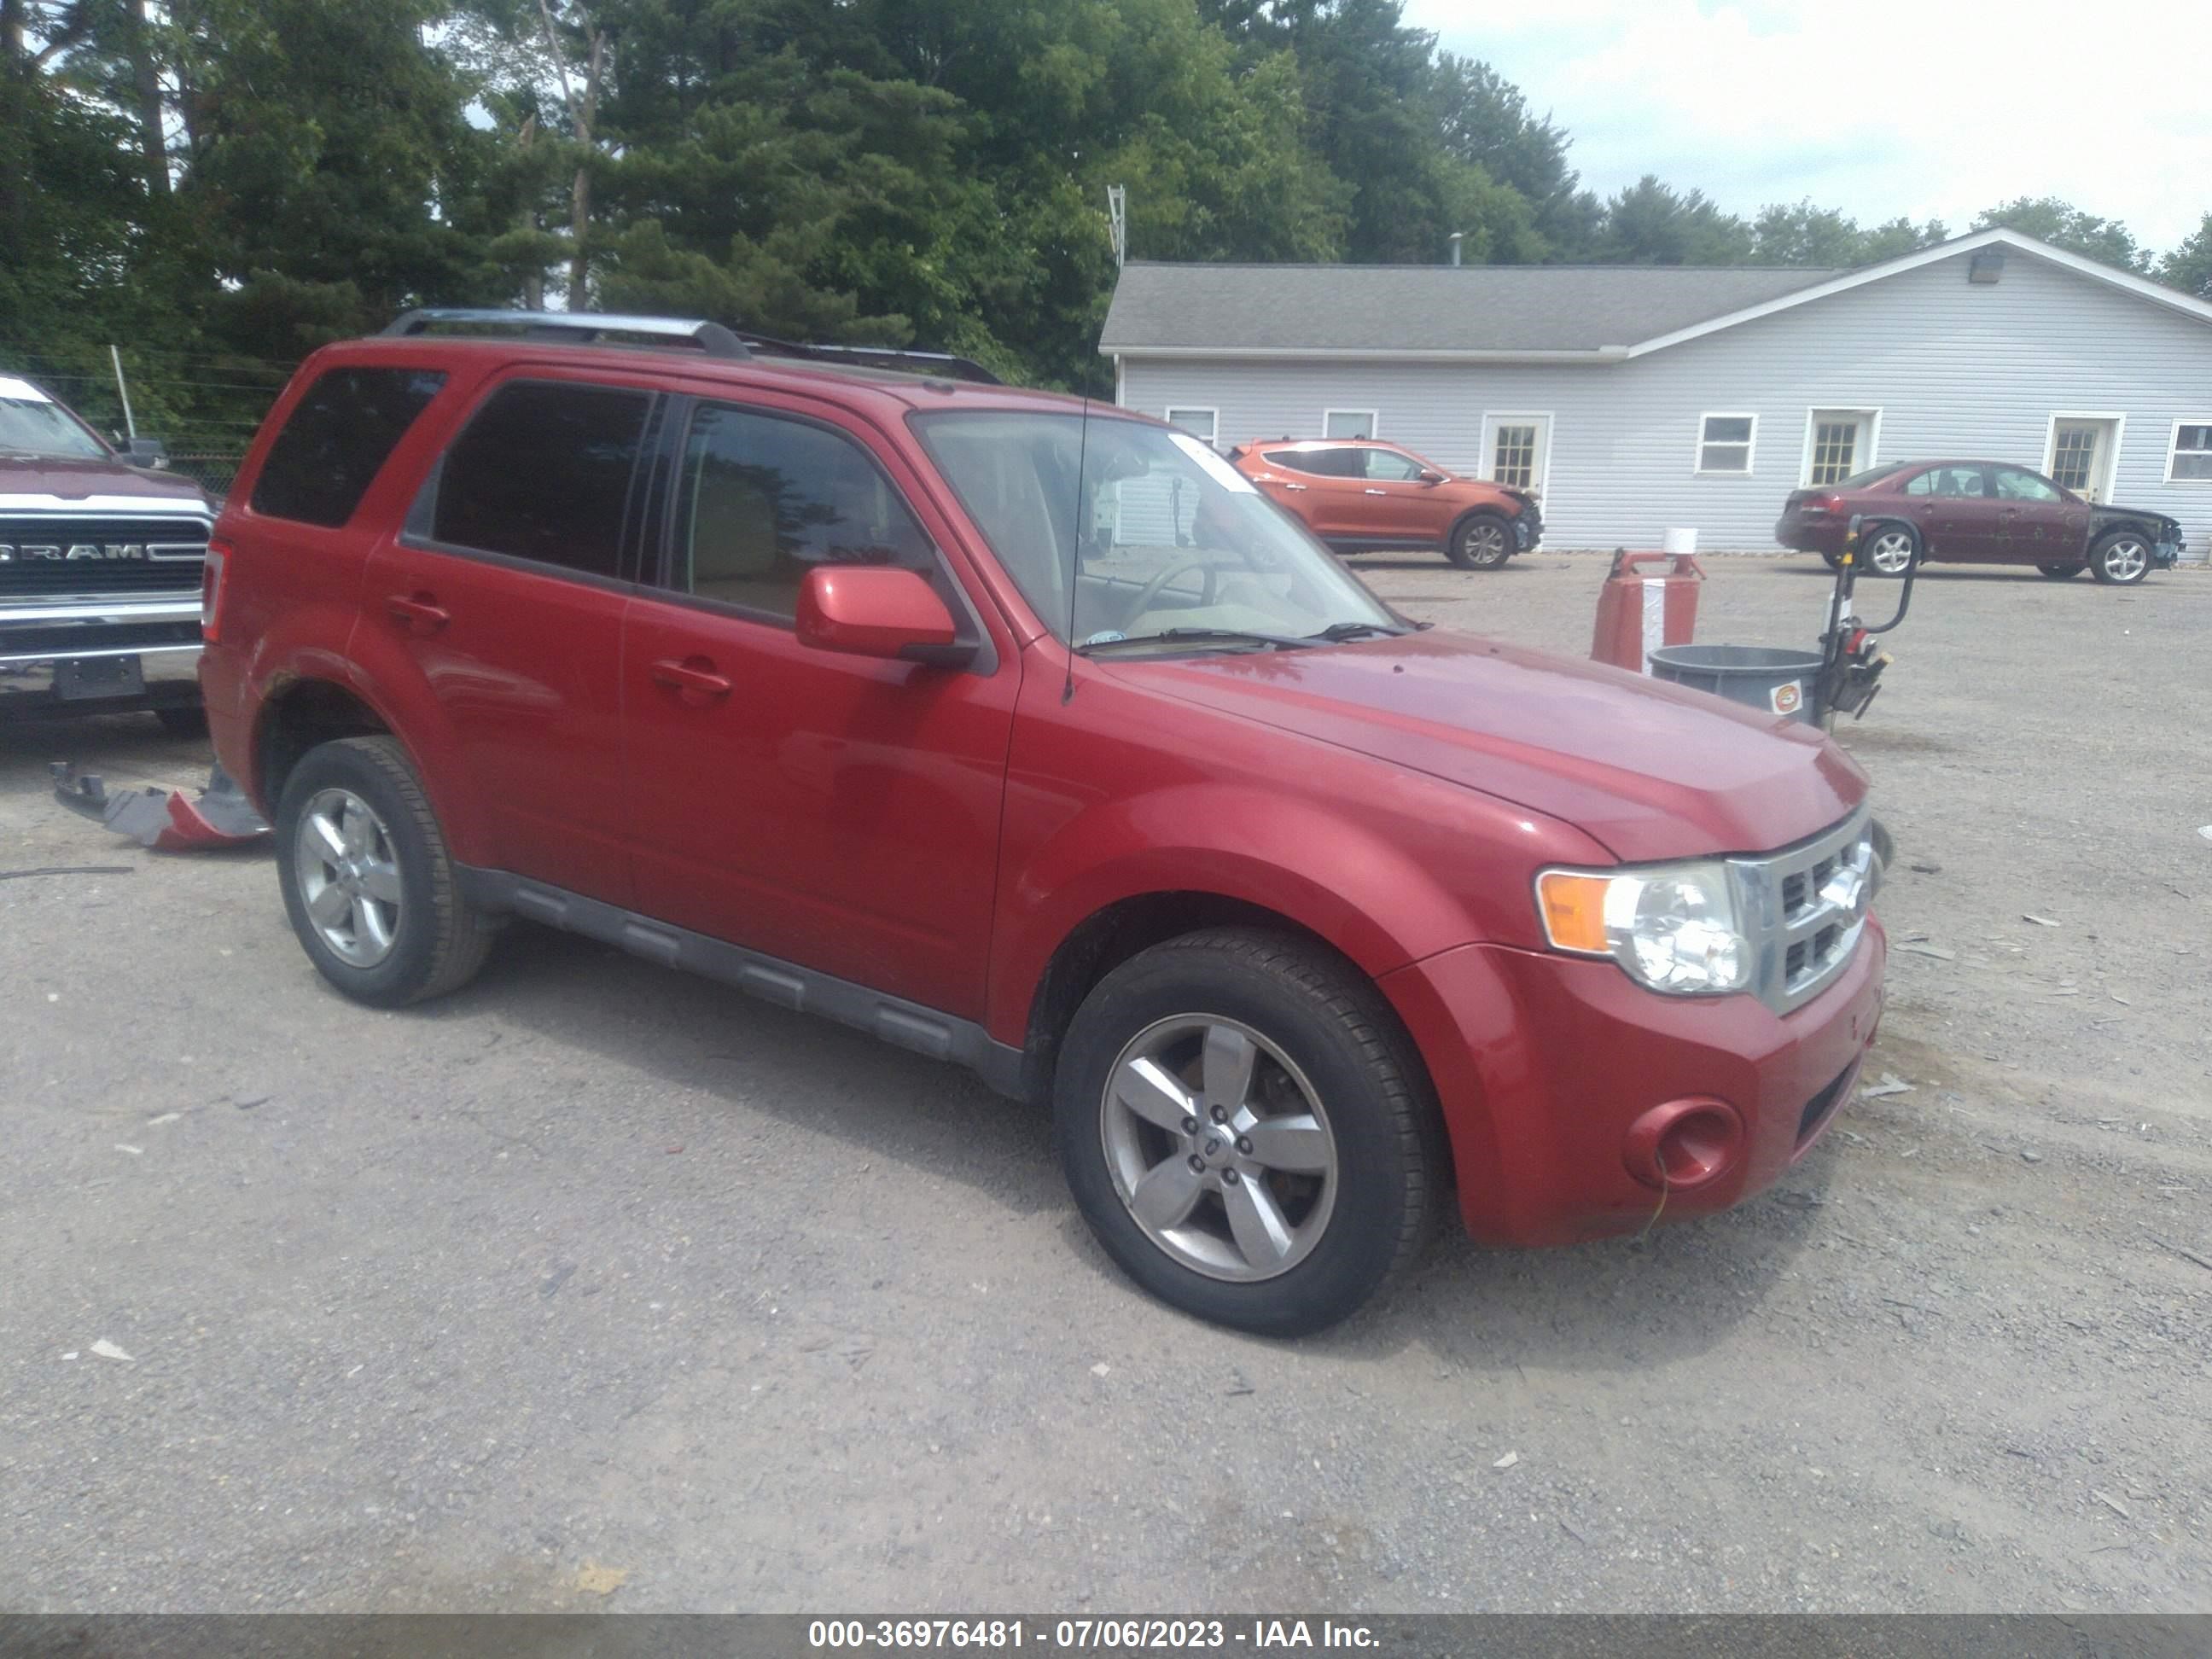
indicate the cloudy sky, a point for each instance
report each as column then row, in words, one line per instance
column 1934, row 108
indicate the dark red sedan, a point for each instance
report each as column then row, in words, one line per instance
column 1977, row 513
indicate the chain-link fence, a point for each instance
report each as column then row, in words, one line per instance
column 212, row 473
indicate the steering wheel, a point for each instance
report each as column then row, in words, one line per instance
column 1152, row 588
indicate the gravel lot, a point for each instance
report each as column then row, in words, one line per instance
column 595, row 1287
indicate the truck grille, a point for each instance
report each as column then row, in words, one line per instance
column 1806, row 909
column 56, row 556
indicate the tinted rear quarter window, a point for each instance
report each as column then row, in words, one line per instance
column 543, row 472
column 336, row 440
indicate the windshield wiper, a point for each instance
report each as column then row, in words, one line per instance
column 1354, row 630
column 1199, row 636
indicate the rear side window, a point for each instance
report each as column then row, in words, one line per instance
column 1322, row 463
column 338, row 437
column 764, row 501
column 543, row 472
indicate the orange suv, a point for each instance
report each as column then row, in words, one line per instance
column 1360, row 495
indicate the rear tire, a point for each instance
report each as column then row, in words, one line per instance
column 1179, row 1051
column 1889, row 549
column 368, row 885
column 1833, row 561
column 2121, row 559
column 2059, row 572
column 1480, row 541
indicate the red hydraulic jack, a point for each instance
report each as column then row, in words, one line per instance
column 1639, row 612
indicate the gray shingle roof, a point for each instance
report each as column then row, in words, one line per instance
column 1427, row 307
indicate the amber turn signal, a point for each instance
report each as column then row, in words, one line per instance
column 1573, row 908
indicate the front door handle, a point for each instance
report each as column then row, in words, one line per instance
column 1374, row 492
column 1294, row 486
column 419, row 613
column 694, row 677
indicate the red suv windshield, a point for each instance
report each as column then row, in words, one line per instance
column 1170, row 536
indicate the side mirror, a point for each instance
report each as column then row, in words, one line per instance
column 146, row 452
column 877, row 611
column 1432, row 477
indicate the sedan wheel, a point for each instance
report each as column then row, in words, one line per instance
column 1219, row 1146
column 349, row 877
column 1889, row 550
column 2122, row 558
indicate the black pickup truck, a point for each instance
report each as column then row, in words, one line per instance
column 101, row 561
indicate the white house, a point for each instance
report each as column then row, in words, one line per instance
column 1639, row 397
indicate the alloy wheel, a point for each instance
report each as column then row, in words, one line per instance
column 1219, row 1146
column 2126, row 559
column 348, row 876
column 1890, row 551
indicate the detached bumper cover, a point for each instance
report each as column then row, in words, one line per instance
column 219, row 816
column 1544, row 1065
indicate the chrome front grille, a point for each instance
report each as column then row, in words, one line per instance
column 1805, row 908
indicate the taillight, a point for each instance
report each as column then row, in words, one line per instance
column 1829, row 503
column 211, row 589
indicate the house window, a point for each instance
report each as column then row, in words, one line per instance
column 2191, row 460
column 1724, row 444
column 1513, row 455
column 1200, row 423
column 1838, row 442
column 2074, row 457
column 1347, row 423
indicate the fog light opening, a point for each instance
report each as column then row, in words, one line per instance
column 1683, row 1145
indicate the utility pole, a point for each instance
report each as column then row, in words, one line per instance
column 130, row 426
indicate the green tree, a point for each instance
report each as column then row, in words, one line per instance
column 1804, row 234
column 1651, row 224
column 2063, row 225
column 2189, row 267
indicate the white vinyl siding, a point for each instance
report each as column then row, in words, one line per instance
column 1957, row 370
column 2189, row 460
column 1725, row 443
column 1348, row 423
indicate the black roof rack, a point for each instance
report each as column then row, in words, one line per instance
column 942, row 363
column 590, row 327
column 576, row 328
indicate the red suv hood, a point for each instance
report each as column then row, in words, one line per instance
column 74, row 480
column 1649, row 769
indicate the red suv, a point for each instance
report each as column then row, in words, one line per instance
column 1360, row 495
column 1023, row 733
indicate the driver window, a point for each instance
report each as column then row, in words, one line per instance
column 765, row 499
column 1388, row 464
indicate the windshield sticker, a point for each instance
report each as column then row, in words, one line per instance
column 1216, row 469
column 22, row 390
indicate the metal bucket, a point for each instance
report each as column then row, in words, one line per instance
column 1779, row 683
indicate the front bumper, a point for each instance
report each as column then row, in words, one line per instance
column 1529, row 529
column 1548, row 1067
column 86, row 657
column 2164, row 556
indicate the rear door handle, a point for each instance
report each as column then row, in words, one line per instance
column 419, row 612
column 1374, row 492
column 1294, row 486
column 695, row 677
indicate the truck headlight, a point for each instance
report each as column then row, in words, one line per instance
column 1673, row 928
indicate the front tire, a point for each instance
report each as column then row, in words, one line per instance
column 1247, row 1130
column 2121, row 559
column 1480, row 541
column 368, row 885
column 1889, row 549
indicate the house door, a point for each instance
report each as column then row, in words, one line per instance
column 1517, row 450
column 2082, row 450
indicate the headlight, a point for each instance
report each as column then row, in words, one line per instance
column 1674, row 927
